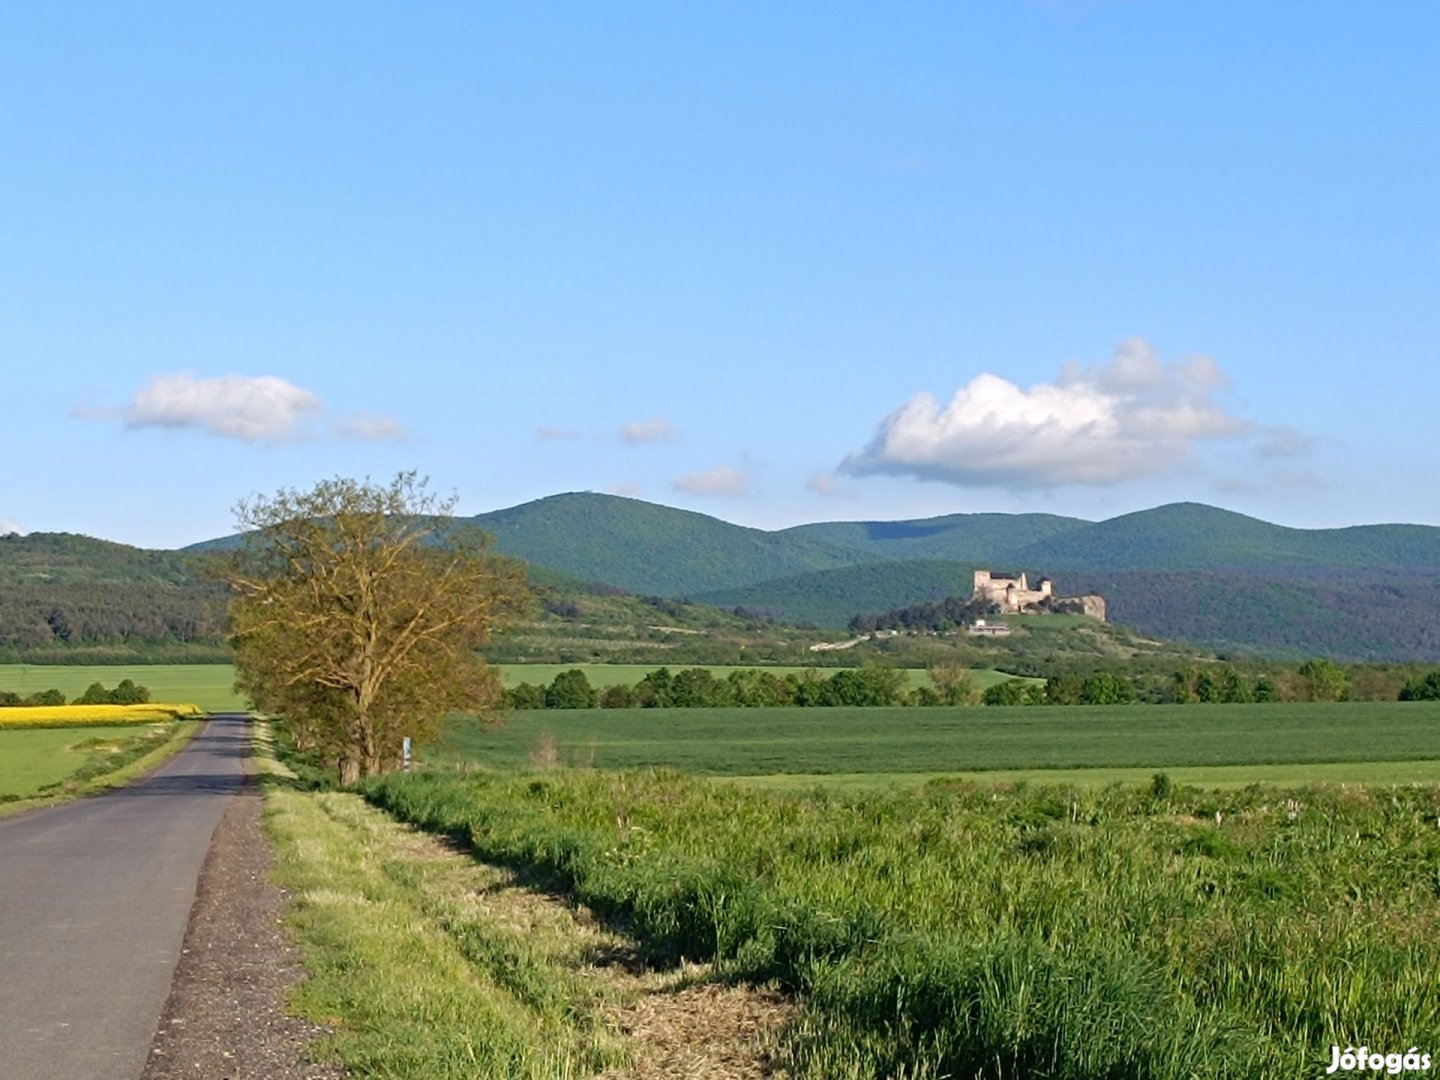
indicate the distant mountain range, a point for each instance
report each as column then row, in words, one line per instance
column 1184, row 571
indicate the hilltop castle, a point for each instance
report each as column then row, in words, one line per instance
column 1012, row 594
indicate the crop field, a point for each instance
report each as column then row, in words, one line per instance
column 73, row 716
column 1021, row 742
column 34, row 758
column 207, row 685
column 1141, row 932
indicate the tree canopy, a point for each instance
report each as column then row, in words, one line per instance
column 357, row 612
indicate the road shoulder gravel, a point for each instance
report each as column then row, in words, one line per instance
column 225, row 1018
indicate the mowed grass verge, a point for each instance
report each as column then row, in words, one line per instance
column 1021, row 742
column 973, row 931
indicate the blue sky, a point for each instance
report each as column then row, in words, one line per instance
column 774, row 262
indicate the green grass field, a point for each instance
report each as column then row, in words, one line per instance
column 1129, row 933
column 206, row 685
column 33, row 758
column 1283, row 741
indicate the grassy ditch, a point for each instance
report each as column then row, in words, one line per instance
column 975, row 931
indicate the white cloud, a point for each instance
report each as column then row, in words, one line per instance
column 7, row 527
column 370, row 428
column 719, row 481
column 1133, row 416
column 556, row 434
column 251, row 408
column 647, row 431
column 263, row 408
column 628, row 491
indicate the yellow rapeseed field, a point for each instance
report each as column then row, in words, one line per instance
column 32, row 716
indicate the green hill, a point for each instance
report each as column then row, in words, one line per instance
column 652, row 549
column 59, row 591
column 830, row 597
column 1192, row 536
column 984, row 538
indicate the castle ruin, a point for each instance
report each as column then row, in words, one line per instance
column 1009, row 592
column 1012, row 594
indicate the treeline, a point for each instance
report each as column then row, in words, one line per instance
column 697, row 687
column 952, row 684
column 1213, row 684
column 935, row 616
column 126, row 692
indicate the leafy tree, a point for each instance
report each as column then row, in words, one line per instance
column 954, row 682
column 357, row 614
column 571, row 690
column 694, row 687
column 45, row 697
column 1009, row 692
column 653, row 691
column 1266, row 690
column 1103, row 688
column 1063, row 689
column 1323, row 680
column 1234, row 689
column 525, row 696
column 1422, row 689
column 95, row 694
column 617, row 697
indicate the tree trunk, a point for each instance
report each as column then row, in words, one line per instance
column 349, row 769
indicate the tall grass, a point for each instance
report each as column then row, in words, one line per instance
column 970, row 931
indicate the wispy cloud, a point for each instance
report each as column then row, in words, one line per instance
column 8, row 527
column 629, row 491
column 554, row 434
column 822, row 484
column 1283, row 441
column 657, row 429
column 718, row 481
column 1132, row 416
column 250, row 408
column 370, row 428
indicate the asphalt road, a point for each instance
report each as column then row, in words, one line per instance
column 94, row 899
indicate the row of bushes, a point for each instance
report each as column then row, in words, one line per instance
column 698, row 687
column 873, row 684
column 125, row 693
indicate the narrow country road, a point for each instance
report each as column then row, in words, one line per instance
column 94, row 899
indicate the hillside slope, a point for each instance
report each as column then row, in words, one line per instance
column 652, row 549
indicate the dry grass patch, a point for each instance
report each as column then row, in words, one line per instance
column 429, row 964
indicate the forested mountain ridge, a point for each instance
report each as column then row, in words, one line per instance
column 61, row 590
column 651, row 549
column 1183, row 571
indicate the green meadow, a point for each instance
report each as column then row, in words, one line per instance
column 206, row 685
column 1144, row 932
column 48, row 762
column 1287, row 743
